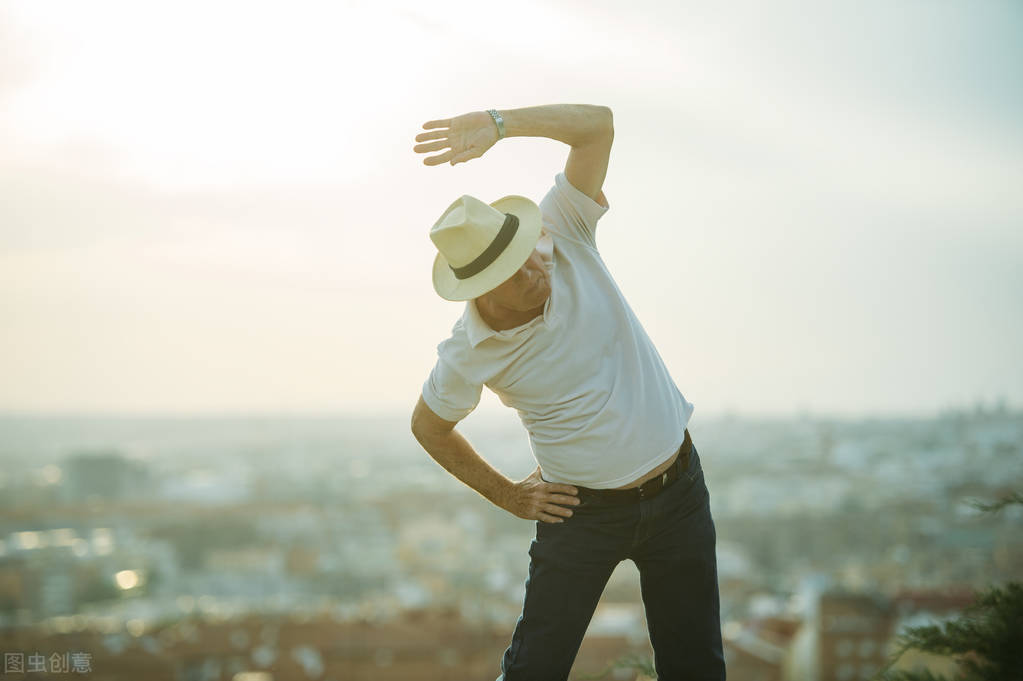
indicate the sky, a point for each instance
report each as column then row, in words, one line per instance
column 215, row 206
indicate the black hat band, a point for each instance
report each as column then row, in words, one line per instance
column 489, row 255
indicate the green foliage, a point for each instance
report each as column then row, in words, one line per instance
column 994, row 507
column 987, row 640
column 922, row 675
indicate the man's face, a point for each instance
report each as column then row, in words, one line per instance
column 527, row 289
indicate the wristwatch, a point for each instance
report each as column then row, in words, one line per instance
column 499, row 121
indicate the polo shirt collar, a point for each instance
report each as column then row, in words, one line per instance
column 475, row 328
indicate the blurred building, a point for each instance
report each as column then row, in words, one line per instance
column 104, row 476
column 852, row 635
column 760, row 650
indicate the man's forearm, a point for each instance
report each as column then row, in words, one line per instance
column 454, row 453
column 573, row 124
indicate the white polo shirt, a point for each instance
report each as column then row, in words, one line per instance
column 594, row 395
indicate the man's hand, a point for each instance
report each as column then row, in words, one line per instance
column 468, row 136
column 535, row 499
column 532, row 498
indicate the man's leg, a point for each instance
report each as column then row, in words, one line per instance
column 569, row 566
column 678, row 580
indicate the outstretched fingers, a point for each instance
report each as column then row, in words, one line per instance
column 442, row 142
column 432, row 146
column 440, row 158
column 432, row 135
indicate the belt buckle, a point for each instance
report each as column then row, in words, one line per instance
column 650, row 488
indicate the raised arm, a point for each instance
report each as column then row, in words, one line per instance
column 587, row 129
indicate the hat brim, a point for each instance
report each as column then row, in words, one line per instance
column 505, row 265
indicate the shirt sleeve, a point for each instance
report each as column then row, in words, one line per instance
column 449, row 394
column 571, row 213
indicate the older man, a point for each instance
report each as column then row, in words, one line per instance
column 546, row 328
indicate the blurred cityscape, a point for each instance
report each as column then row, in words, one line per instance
column 333, row 547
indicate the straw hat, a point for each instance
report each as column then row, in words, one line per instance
column 481, row 245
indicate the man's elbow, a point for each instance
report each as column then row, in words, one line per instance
column 428, row 426
column 600, row 128
column 429, row 437
column 425, row 426
column 608, row 120
column 418, row 426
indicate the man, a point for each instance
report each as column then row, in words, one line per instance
column 546, row 329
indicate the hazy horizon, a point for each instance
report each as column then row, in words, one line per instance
column 491, row 412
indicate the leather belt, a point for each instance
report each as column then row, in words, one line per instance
column 649, row 489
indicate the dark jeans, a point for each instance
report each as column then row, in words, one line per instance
column 670, row 538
